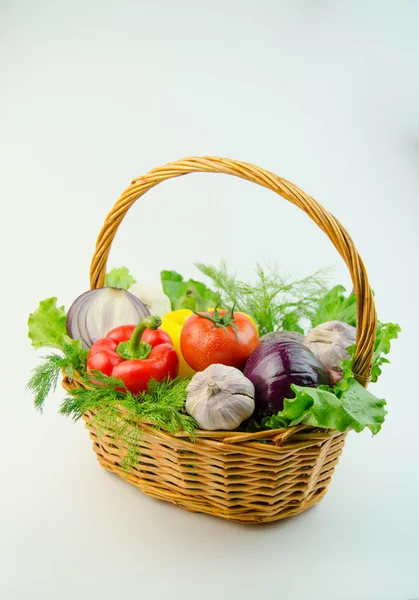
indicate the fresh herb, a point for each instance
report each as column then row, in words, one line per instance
column 45, row 376
column 187, row 294
column 273, row 300
column 47, row 328
column 162, row 405
column 120, row 278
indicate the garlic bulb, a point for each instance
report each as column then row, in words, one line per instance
column 154, row 298
column 329, row 342
column 220, row 398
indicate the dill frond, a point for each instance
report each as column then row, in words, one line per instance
column 275, row 302
column 120, row 413
column 44, row 379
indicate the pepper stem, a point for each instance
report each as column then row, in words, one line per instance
column 134, row 348
column 147, row 323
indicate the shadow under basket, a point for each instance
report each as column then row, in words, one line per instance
column 244, row 477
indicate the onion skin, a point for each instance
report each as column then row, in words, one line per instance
column 274, row 366
column 96, row 312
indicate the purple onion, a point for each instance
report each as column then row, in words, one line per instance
column 93, row 314
column 274, row 366
column 280, row 335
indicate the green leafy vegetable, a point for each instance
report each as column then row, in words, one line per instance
column 187, row 294
column 385, row 333
column 47, row 328
column 45, row 376
column 348, row 405
column 121, row 412
column 120, row 278
column 162, row 404
column 352, row 408
column 335, row 306
column 47, row 325
column 274, row 301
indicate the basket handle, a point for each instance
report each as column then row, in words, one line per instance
column 366, row 313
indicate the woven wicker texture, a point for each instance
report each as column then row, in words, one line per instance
column 248, row 478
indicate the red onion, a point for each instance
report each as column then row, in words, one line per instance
column 281, row 335
column 274, row 366
column 93, row 314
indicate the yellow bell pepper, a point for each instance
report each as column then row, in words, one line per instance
column 172, row 324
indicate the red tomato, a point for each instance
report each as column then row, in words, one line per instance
column 205, row 343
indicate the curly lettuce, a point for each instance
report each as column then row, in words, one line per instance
column 351, row 408
column 187, row 294
column 120, row 278
column 47, row 325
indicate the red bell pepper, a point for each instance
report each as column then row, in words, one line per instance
column 135, row 354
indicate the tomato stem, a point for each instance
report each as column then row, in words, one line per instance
column 221, row 320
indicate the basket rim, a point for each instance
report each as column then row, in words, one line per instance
column 278, row 437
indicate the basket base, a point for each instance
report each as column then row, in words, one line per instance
column 207, row 509
column 249, row 483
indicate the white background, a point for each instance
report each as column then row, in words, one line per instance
column 94, row 93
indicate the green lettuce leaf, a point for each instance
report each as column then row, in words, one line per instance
column 187, row 294
column 335, row 306
column 385, row 333
column 47, row 325
column 120, row 278
column 351, row 408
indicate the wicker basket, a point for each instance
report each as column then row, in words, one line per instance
column 247, row 478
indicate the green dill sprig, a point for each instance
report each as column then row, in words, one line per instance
column 119, row 412
column 274, row 301
column 45, row 377
column 115, row 409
